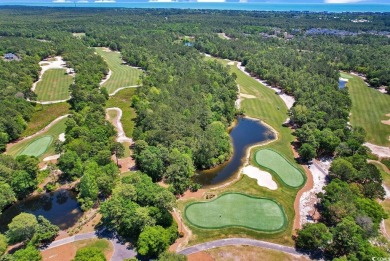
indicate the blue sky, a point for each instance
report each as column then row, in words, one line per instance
column 261, row 1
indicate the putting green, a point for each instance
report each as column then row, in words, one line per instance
column 273, row 161
column 237, row 210
column 37, row 147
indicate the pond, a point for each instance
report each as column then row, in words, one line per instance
column 60, row 207
column 246, row 133
column 342, row 83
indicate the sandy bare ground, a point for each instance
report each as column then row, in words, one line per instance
column 380, row 151
column 200, row 256
column 387, row 122
column 61, row 137
column 287, row 99
column 181, row 242
column 224, row 36
column 9, row 145
column 53, row 157
column 106, row 78
column 118, row 125
column 264, row 179
column 309, row 198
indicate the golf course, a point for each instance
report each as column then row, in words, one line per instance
column 280, row 166
column 54, row 85
column 369, row 109
column 122, row 75
column 39, row 145
column 259, row 102
column 236, row 209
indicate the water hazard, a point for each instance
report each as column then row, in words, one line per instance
column 246, row 133
column 60, row 207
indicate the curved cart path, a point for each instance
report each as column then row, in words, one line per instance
column 238, row 241
column 9, row 145
column 118, row 125
column 121, row 88
column 121, row 251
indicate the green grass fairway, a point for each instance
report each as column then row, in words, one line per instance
column 275, row 162
column 345, row 75
column 237, row 210
column 54, row 85
column 369, row 108
column 122, row 75
column 37, row 147
column 40, row 145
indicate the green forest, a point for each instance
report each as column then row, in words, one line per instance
column 184, row 108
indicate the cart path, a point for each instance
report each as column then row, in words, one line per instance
column 122, row 88
column 118, row 125
column 238, row 241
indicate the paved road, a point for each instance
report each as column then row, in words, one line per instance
column 238, row 241
column 121, row 250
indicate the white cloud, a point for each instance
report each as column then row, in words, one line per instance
column 61, row 1
column 343, row 1
column 210, row 1
column 105, row 1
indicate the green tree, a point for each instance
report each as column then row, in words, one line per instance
column 45, row 231
column 7, row 196
column 152, row 241
column 347, row 238
column 3, row 244
column 70, row 164
column 23, row 183
column 30, row 253
column 343, row 170
column 313, row 237
column 307, row 152
column 89, row 254
column 88, row 190
column 22, row 227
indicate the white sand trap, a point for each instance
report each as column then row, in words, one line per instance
column 380, row 151
column 247, row 96
column 118, row 125
column 264, row 179
column 387, row 191
column 61, row 137
column 386, row 122
column 58, row 63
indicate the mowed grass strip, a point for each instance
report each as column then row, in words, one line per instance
column 54, row 131
column 369, row 108
column 240, row 210
column 122, row 100
column 287, row 173
column 54, row 85
column 43, row 115
column 37, row 147
column 122, row 75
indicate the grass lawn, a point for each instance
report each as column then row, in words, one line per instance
column 230, row 253
column 54, row 85
column 237, row 210
column 122, row 100
column 39, row 145
column 369, row 108
column 43, row 115
column 283, row 195
column 271, row 160
column 122, row 75
column 102, row 244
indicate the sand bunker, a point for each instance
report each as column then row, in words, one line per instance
column 57, row 63
column 387, row 122
column 61, row 137
column 118, row 125
column 264, row 179
column 247, row 96
column 380, row 151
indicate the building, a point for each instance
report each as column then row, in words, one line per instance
column 11, row 57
